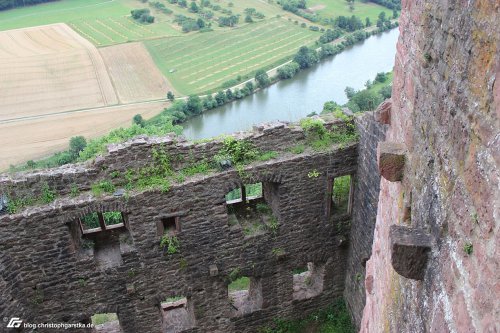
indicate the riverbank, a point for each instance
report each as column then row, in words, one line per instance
column 287, row 100
column 180, row 114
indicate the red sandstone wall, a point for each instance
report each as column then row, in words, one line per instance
column 446, row 110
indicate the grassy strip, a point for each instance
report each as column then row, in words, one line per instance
column 334, row 319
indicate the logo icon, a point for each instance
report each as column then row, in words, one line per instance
column 14, row 322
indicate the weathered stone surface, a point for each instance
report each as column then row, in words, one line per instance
column 366, row 192
column 383, row 112
column 391, row 160
column 48, row 273
column 446, row 99
column 214, row 271
column 410, row 249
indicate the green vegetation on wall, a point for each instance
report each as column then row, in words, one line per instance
column 333, row 319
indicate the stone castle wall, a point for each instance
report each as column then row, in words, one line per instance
column 364, row 211
column 49, row 273
column 446, row 116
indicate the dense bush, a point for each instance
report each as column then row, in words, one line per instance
column 288, row 71
column 306, row 57
column 142, row 15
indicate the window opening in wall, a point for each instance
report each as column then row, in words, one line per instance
column 247, row 207
column 308, row 281
column 105, row 237
column 245, row 295
column 234, row 196
column 96, row 222
column 340, row 191
column 253, row 191
column 169, row 225
column 177, row 314
column 106, row 322
column 112, row 218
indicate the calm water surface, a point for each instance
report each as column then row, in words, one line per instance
column 307, row 92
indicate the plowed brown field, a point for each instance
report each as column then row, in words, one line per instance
column 54, row 85
column 31, row 139
column 134, row 74
column 50, row 69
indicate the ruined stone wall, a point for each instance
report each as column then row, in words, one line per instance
column 446, row 114
column 50, row 274
column 364, row 211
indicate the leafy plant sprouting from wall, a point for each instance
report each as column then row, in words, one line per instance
column 170, row 243
column 320, row 138
column 237, row 151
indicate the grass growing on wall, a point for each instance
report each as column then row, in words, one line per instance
column 334, row 319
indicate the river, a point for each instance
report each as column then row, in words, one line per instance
column 294, row 99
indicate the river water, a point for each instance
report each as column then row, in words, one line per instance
column 294, row 99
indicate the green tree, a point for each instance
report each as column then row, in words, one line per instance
column 367, row 100
column 229, row 94
column 262, row 78
column 250, row 11
column 76, row 145
column 349, row 92
column 288, row 71
column 193, row 105
column 138, row 120
column 193, row 8
column 386, row 91
column 381, row 77
column 306, row 57
column 220, row 97
column 248, row 19
column 249, row 86
column 368, row 23
column 170, row 96
column 381, row 16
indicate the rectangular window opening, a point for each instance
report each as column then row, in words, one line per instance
column 251, row 211
column 95, row 222
column 169, row 225
column 113, row 219
column 308, row 281
column 340, row 191
column 234, row 196
column 253, row 191
column 177, row 314
column 106, row 322
column 90, row 222
column 245, row 295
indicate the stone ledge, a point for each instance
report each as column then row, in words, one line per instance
column 409, row 251
column 391, row 158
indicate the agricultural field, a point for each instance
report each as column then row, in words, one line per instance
column 39, row 137
column 102, row 22
column 202, row 62
column 333, row 8
column 50, row 69
column 133, row 72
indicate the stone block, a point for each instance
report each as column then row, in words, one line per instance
column 214, row 271
column 410, row 249
column 391, row 160
column 383, row 112
column 130, row 288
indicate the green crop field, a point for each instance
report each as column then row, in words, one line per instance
column 334, row 8
column 103, row 22
column 202, row 62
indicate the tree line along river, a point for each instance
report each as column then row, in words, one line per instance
column 293, row 99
